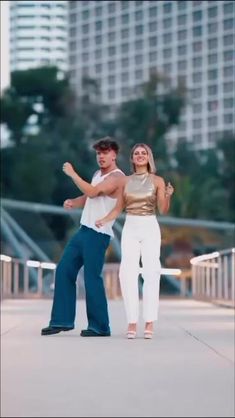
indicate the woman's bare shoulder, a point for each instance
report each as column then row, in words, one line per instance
column 158, row 180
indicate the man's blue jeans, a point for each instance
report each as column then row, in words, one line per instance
column 86, row 248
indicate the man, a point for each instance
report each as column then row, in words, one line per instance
column 87, row 247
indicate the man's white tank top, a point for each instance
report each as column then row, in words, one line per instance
column 97, row 207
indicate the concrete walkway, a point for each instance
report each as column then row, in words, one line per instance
column 186, row 370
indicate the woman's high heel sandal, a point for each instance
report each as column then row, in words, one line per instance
column 148, row 335
column 131, row 335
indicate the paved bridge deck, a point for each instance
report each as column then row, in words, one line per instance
column 186, row 370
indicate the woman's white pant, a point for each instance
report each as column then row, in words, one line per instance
column 141, row 236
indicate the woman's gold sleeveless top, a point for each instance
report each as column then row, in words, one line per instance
column 140, row 195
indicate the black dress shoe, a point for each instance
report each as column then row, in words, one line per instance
column 91, row 333
column 54, row 330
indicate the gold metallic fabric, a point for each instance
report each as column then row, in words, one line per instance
column 140, row 195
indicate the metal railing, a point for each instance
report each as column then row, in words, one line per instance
column 213, row 277
column 17, row 275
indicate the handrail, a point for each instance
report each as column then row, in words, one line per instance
column 213, row 277
column 16, row 275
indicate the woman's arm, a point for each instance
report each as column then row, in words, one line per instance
column 164, row 194
column 114, row 213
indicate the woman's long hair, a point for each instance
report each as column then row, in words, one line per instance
column 151, row 167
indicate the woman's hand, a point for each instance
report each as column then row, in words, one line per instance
column 169, row 190
column 68, row 169
column 99, row 223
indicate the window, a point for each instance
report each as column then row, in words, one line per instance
column 196, row 93
column 228, row 118
column 228, row 8
column 182, row 5
column 197, row 123
column 182, row 35
column 112, row 50
column 228, row 87
column 139, row 44
column 167, row 23
column 197, row 46
column 85, row 14
column 125, row 19
column 111, row 21
column 98, row 40
column 167, row 7
column 111, row 36
column 197, row 31
column 167, row 53
column 182, row 19
column 212, row 121
column 98, row 68
column 167, row 68
column 125, row 48
column 182, row 50
column 212, row 59
column 167, row 38
column 152, row 56
column 111, row 79
column 85, row 56
column 125, row 62
column 139, row 15
column 212, row 106
column 212, row 74
column 98, row 11
column 212, row 27
column 85, row 28
column 212, row 12
column 98, row 53
column 228, row 55
column 229, row 71
column 152, row 26
column 153, row 12
column 212, row 90
column 197, row 108
column 228, row 103
column 125, row 33
column 111, row 7
column 197, row 77
column 111, row 65
column 125, row 4
column 197, row 62
column 229, row 24
column 111, row 94
column 228, row 40
column 197, row 16
column 138, row 74
column 139, row 30
column 124, row 77
column 153, row 41
column 138, row 59
column 212, row 43
column 98, row 25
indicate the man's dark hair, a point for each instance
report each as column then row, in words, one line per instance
column 106, row 144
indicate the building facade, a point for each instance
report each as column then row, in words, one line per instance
column 38, row 34
column 119, row 43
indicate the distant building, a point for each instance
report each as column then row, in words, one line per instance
column 38, row 34
column 120, row 42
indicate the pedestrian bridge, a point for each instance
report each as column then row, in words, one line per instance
column 187, row 369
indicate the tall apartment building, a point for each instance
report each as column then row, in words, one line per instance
column 120, row 42
column 38, row 34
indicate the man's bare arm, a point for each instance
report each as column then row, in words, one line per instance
column 77, row 202
column 106, row 187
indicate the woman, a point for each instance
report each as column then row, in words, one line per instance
column 141, row 193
